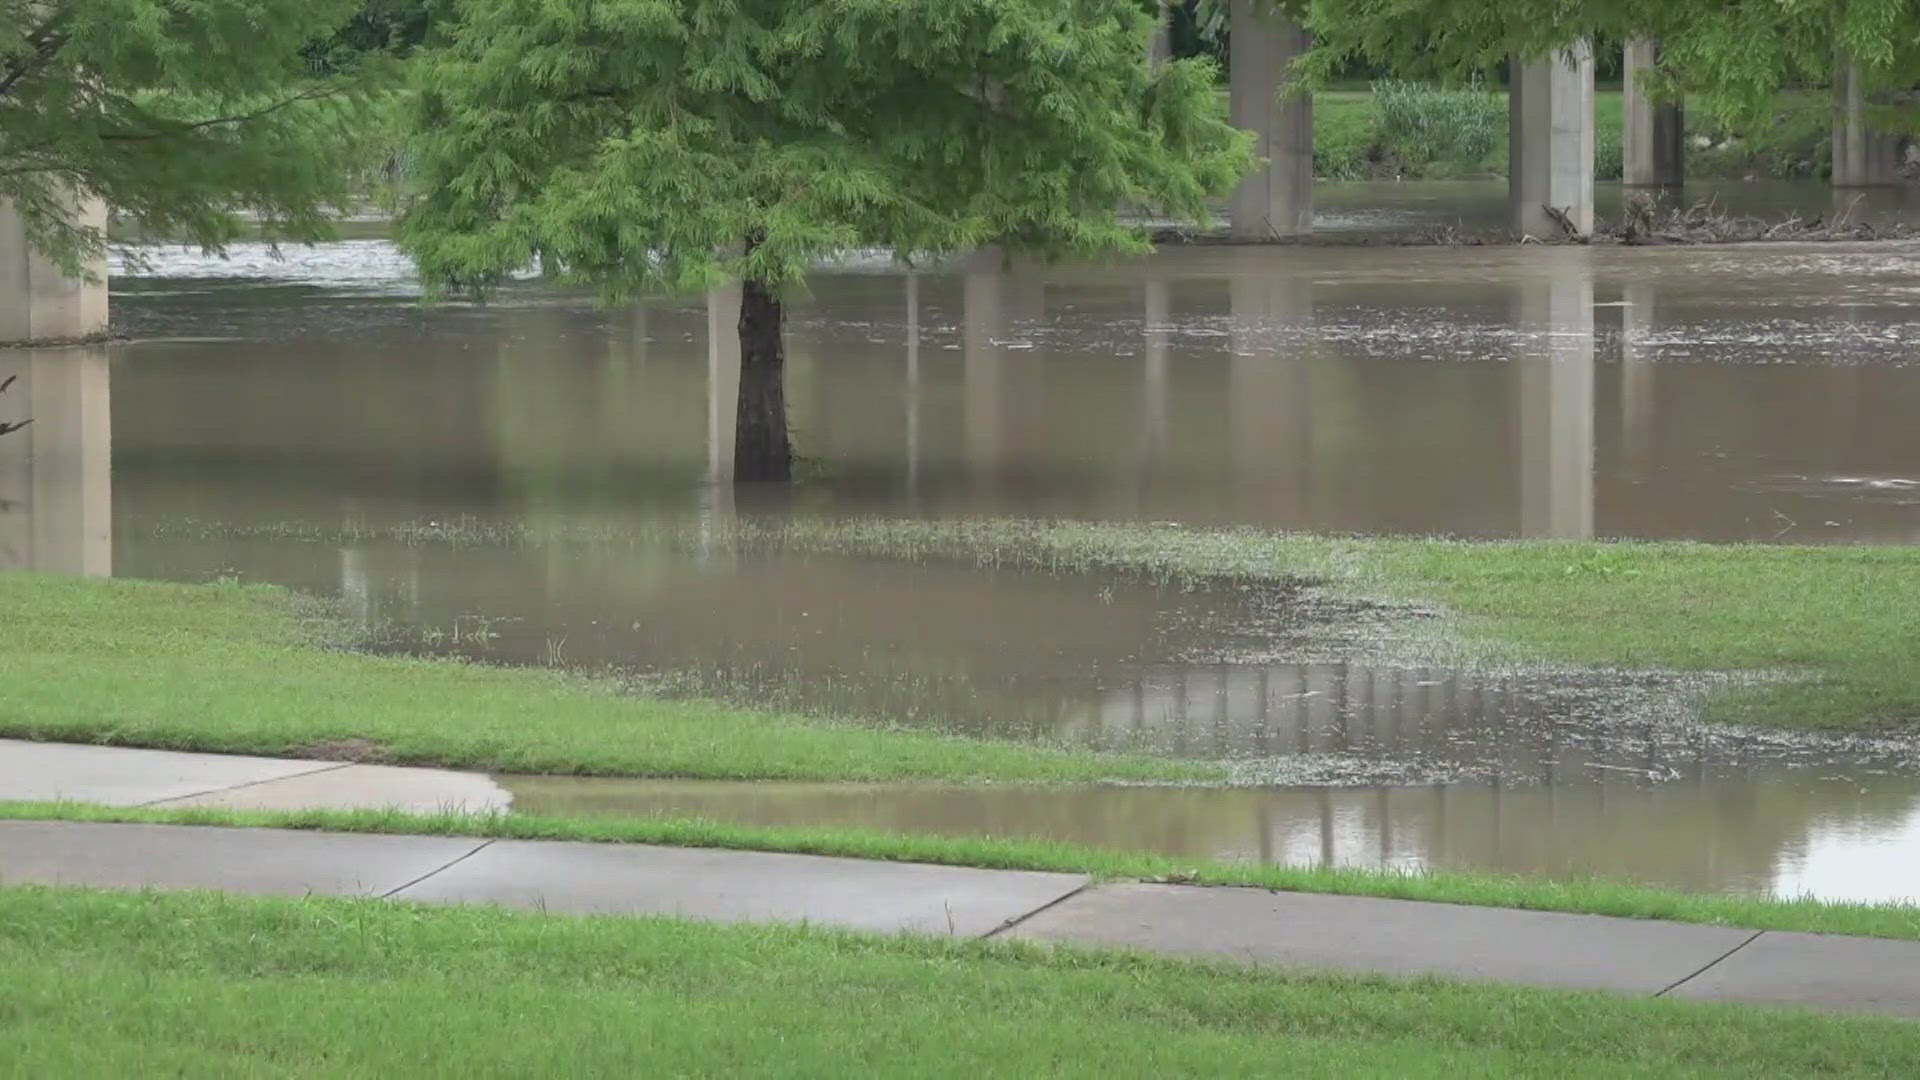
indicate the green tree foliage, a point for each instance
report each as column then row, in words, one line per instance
column 394, row 27
column 1730, row 58
column 662, row 146
column 178, row 113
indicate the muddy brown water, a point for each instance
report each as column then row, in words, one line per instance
column 1732, row 831
column 497, row 481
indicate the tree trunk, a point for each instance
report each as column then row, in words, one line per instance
column 760, row 447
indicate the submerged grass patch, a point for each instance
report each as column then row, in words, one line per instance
column 1588, row 896
column 1841, row 622
column 1832, row 628
column 247, row 669
column 124, row 984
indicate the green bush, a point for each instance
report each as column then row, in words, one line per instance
column 1607, row 161
column 1431, row 131
column 1346, row 136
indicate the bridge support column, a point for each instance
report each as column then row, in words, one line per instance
column 1652, row 146
column 1550, row 143
column 1277, row 200
column 37, row 301
column 1862, row 157
column 1160, row 45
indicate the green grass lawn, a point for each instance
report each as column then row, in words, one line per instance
column 1580, row 896
column 105, row 984
column 246, row 669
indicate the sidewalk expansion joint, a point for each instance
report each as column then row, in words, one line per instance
column 1048, row 906
column 450, row 864
column 248, row 784
column 1710, row 965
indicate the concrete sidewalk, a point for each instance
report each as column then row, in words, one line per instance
column 1282, row 930
column 120, row 776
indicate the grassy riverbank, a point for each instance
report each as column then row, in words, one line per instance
column 257, row 670
column 121, row 984
column 1584, row 897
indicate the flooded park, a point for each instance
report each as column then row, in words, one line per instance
column 541, row 481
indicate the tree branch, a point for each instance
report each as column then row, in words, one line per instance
column 42, row 45
column 314, row 93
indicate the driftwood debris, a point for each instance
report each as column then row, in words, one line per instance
column 1568, row 230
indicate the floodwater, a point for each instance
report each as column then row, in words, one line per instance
column 532, row 482
column 1746, row 832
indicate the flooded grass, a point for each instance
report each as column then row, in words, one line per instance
column 1838, row 622
column 328, row 987
column 244, row 669
column 1797, row 638
column 1587, row 895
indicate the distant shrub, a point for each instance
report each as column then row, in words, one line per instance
column 1346, row 138
column 1424, row 126
column 1607, row 151
column 1416, row 131
column 1796, row 145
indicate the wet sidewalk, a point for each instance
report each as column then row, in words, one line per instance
column 119, row 776
column 1281, row 930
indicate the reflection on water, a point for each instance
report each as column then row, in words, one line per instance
column 496, row 482
column 1751, row 831
column 55, row 504
column 1754, row 393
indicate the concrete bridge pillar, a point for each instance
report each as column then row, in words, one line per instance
column 1550, row 143
column 1652, row 144
column 37, row 301
column 1862, row 157
column 1160, row 45
column 1277, row 200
